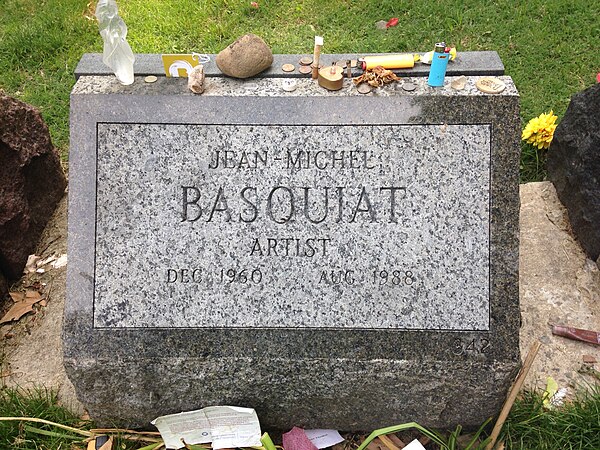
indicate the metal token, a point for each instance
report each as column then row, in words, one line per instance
column 150, row 79
column 353, row 63
column 306, row 61
column 288, row 68
column 305, row 69
column 364, row 88
column 341, row 63
column 409, row 87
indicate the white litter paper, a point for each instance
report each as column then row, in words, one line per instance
column 224, row 426
column 324, row 438
column 414, row 445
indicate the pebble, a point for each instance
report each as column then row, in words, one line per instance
column 459, row 83
column 381, row 25
column 196, row 79
column 289, row 86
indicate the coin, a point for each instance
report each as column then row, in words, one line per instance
column 150, row 79
column 288, row 68
column 341, row 63
column 306, row 61
column 490, row 85
column 353, row 63
column 305, row 69
column 364, row 88
column 409, row 87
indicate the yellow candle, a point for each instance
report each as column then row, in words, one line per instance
column 404, row 61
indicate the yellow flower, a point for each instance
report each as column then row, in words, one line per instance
column 540, row 130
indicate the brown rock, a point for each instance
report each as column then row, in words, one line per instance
column 31, row 182
column 246, row 57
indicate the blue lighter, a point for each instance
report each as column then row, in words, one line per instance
column 439, row 63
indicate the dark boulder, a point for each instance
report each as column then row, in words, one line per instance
column 31, row 182
column 3, row 290
column 574, row 167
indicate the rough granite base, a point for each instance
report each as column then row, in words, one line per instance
column 131, row 364
column 343, row 394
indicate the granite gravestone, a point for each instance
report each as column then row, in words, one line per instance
column 327, row 258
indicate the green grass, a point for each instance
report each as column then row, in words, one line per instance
column 41, row 404
column 547, row 46
column 576, row 425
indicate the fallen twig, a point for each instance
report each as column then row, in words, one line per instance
column 512, row 394
column 122, row 430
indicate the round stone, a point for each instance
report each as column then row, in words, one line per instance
column 305, row 69
column 490, row 85
column 409, row 87
column 288, row 68
column 306, row 61
column 364, row 88
column 150, row 79
column 289, row 86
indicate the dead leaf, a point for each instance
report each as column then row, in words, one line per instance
column 23, row 304
column 29, row 293
column 17, row 296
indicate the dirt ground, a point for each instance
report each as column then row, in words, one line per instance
column 558, row 285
